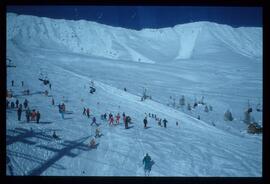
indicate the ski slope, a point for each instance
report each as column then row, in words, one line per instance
column 224, row 73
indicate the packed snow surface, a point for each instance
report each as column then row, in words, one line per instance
column 221, row 63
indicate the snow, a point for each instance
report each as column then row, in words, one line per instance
column 221, row 63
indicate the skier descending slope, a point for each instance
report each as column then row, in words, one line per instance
column 147, row 164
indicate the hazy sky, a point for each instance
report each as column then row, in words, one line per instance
column 137, row 17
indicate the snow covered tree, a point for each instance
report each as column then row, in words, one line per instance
column 228, row 116
column 182, row 100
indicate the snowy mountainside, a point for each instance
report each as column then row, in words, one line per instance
column 194, row 148
column 148, row 45
column 216, row 62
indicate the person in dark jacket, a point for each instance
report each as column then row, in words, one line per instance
column 88, row 112
column 17, row 103
column 147, row 164
column 12, row 82
column 52, row 101
column 84, row 111
column 165, row 122
column 19, row 112
column 22, row 83
column 145, row 122
column 127, row 120
column 94, row 121
column 25, row 103
column 12, row 105
column 38, row 116
column 27, row 114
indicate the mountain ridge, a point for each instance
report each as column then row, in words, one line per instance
column 183, row 41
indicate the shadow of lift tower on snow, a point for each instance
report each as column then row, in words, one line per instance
column 68, row 146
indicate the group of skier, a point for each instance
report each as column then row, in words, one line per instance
column 30, row 116
column 33, row 115
column 159, row 120
column 86, row 111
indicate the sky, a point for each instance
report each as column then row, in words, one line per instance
column 138, row 17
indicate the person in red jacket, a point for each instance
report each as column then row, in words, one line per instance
column 111, row 120
column 118, row 118
column 33, row 115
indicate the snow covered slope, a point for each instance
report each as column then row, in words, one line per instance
column 148, row 45
column 223, row 73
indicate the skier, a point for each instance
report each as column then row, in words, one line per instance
column 147, row 164
column 19, row 112
column 12, row 83
column 105, row 116
column 94, row 121
column 12, row 105
column 84, row 111
column 59, row 108
column 159, row 122
column 117, row 118
column 92, row 143
column 50, row 85
column 27, row 114
column 97, row 133
column 33, row 115
column 145, row 122
column 38, row 116
column 63, row 107
column 176, row 123
column 126, row 123
column 195, row 105
column 55, row 136
column 165, row 122
column 17, row 103
column 52, row 101
column 62, row 113
column 88, row 112
column 22, row 83
column 46, row 92
column 111, row 120
column 123, row 114
column 25, row 103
